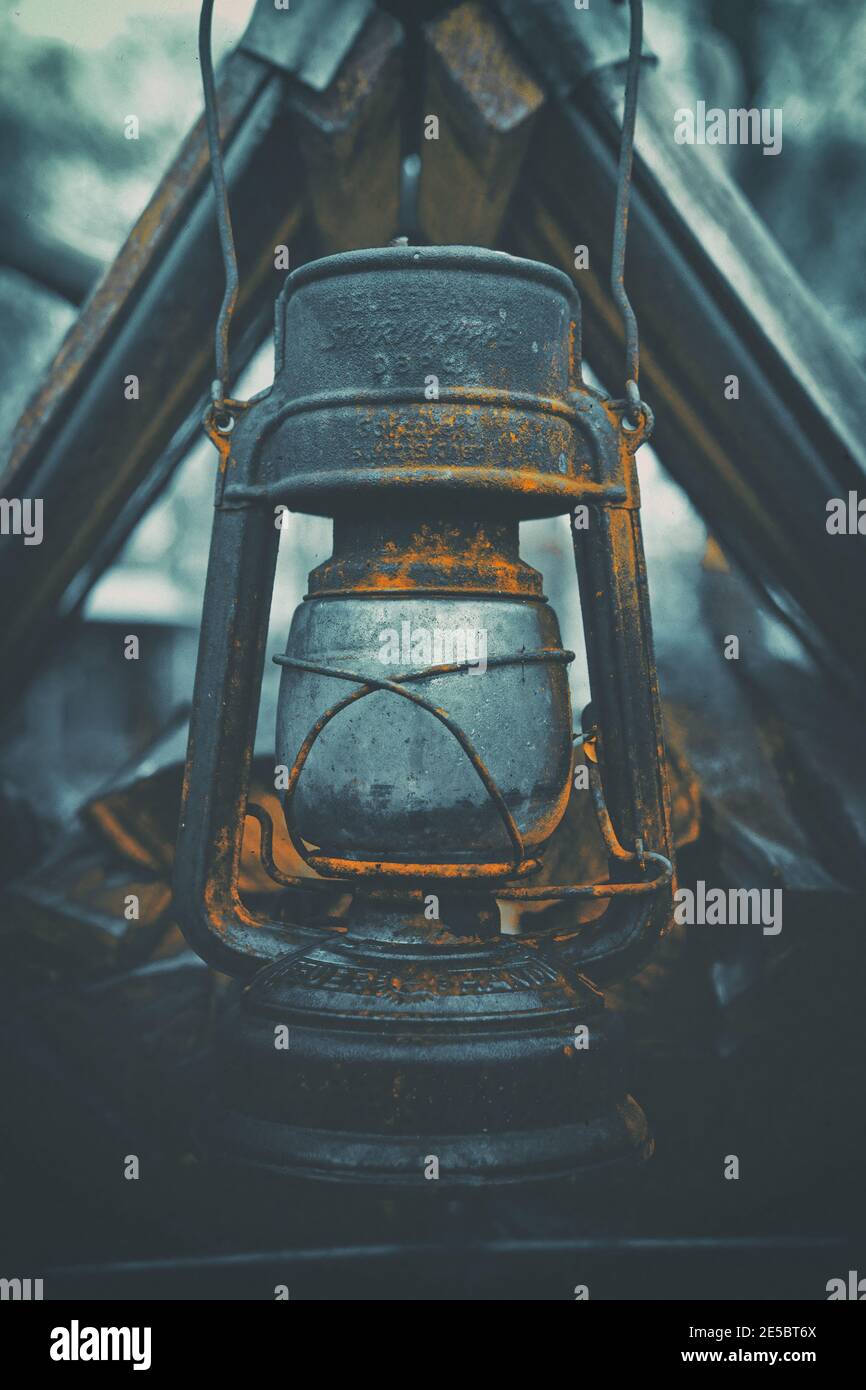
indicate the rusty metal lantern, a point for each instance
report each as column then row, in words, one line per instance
column 413, row 1035
column 427, row 399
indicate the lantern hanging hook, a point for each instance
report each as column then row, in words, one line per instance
column 220, row 412
column 636, row 410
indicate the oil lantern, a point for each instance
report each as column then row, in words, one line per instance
column 427, row 399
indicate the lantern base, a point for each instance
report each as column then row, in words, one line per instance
column 403, row 1046
column 617, row 1139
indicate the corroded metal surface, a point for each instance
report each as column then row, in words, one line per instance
column 429, row 802
column 440, row 369
column 414, row 1030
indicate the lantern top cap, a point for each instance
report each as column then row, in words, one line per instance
column 471, row 258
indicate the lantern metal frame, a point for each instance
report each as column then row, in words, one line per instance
column 406, row 1031
column 627, row 780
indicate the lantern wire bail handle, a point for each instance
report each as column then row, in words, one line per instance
column 220, row 411
column 637, row 415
